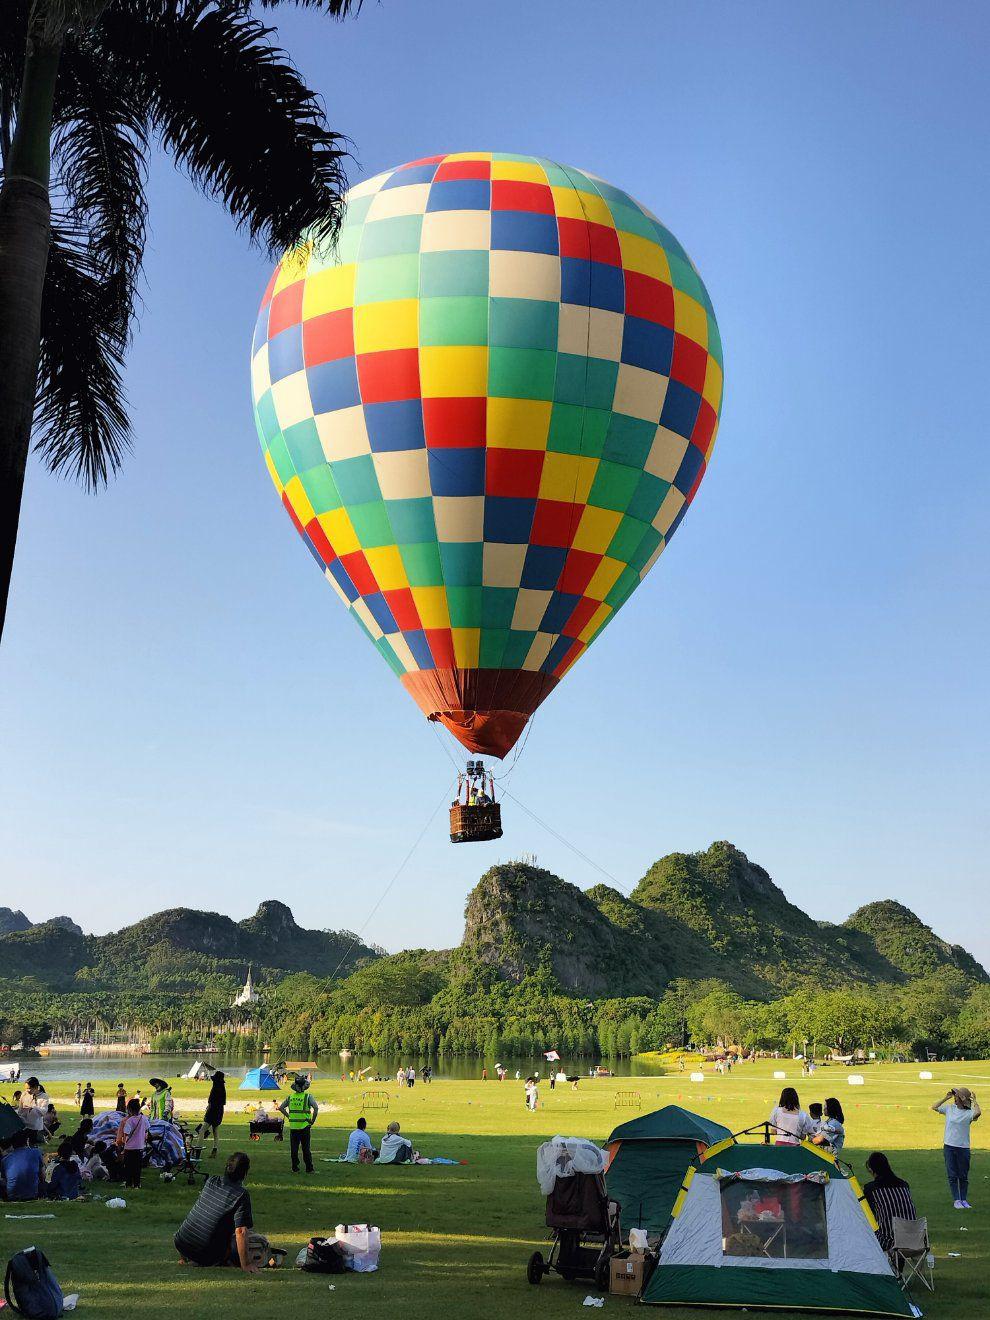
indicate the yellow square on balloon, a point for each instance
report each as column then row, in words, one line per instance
column 431, row 603
column 604, row 578
column 690, row 318
column 518, row 423
column 386, row 564
column 299, row 500
column 384, row 325
column 594, row 623
column 339, row 531
column 574, row 204
column 596, row 529
column 567, row 477
column 467, row 647
column 644, row 255
column 455, row 371
column 329, row 290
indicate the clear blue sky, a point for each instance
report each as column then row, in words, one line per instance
column 188, row 716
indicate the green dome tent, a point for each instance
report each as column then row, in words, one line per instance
column 259, row 1079
column 647, row 1160
column 783, row 1227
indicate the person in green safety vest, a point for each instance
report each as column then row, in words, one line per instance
column 162, row 1104
column 301, row 1110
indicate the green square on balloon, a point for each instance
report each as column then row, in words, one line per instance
column 629, row 440
column 462, row 563
column 498, row 604
column 517, row 648
column 266, row 419
column 585, row 380
column 577, row 430
column 281, row 459
column 303, row 443
column 321, row 489
column 454, row 274
column 492, row 649
column 389, row 237
column 422, row 564
column 371, row 524
column 386, row 279
column 524, row 322
column 412, row 520
column 391, row 659
column 649, row 494
column 521, row 373
column 627, row 539
column 622, row 589
column 464, row 606
column 356, row 479
column 651, row 539
column 453, row 320
column 613, row 486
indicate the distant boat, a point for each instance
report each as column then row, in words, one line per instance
column 347, row 1054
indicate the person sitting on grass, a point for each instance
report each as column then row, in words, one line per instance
column 80, row 1138
column 21, row 1170
column 66, row 1180
column 888, row 1196
column 359, row 1147
column 215, row 1231
column 395, row 1149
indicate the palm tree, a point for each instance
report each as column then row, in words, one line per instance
column 86, row 87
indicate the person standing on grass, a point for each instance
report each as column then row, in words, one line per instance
column 121, row 1098
column 215, row 1231
column 132, row 1137
column 78, row 1094
column 960, row 1108
column 216, row 1103
column 87, row 1101
column 301, row 1110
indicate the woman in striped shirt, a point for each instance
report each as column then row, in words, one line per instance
column 888, row 1196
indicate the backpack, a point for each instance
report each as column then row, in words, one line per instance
column 30, row 1286
column 324, row 1256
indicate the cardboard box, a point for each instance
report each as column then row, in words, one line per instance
column 626, row 1274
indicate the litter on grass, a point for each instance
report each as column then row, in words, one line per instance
column 594, row 1301
column 116, row 1203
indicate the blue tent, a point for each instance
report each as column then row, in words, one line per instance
column 259, row 1079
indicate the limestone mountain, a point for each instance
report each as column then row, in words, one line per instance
column 176, row 949
column 11, row 921
column 711, row 914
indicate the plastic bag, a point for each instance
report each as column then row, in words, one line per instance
column 363, row 1244
column 562, row 1157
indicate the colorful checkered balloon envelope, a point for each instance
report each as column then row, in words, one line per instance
column 486, row 414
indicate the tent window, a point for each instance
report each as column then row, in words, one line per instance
column 774, row 1220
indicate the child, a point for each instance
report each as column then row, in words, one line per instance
column 832, row 1133
column 132, row 1135
column 66, row 1180
column 815, row 1114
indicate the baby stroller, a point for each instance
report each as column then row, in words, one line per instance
column 585, row 1226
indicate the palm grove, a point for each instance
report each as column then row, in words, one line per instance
column 87, row 89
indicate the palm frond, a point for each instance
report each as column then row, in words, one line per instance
column 81, row 413
column 234, row 112
column 99, row 158
column 335, row 8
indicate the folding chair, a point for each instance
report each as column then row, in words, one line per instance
column 911, row 1254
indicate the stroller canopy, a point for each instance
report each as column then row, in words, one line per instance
column 563, row 1157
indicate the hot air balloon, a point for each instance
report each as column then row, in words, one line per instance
column 486, row 414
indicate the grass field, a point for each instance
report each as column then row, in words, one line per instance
column 456, row 1239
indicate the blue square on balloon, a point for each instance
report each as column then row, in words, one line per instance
column 556, row 653
column 676, row 523
column 285, row 353
column 525, row 231
column 333, row 385
column 543, row 567
column 557, row 613
column 380, row 612
column 420, row 647
column 457, row 471
column 680, row 409
column 508, row 520
column 411, row 174
column 395, row 425
column 647, row 345
column 460, row 195
column 689, row 469
column 260, row 329
column 315, row 553
column 591, row 284
column 339, row 574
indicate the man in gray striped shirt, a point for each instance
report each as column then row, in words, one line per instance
column 215, row 1231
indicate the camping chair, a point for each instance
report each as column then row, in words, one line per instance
column 911, row 1254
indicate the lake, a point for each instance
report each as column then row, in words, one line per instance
column 121, row 1067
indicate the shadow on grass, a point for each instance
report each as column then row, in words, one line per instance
column 455, row 1238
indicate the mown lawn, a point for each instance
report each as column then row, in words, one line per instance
column 456, row 1239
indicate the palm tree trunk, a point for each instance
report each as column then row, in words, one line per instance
column 25, row 227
